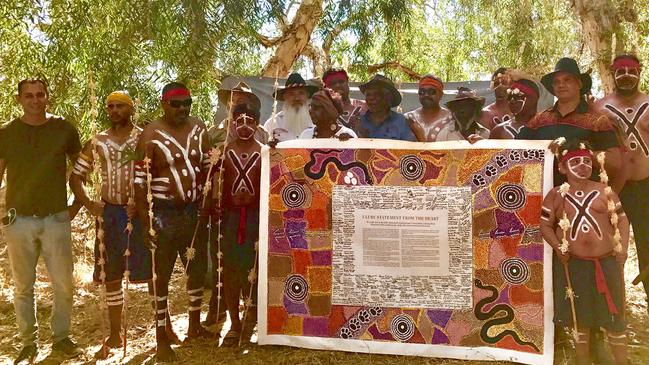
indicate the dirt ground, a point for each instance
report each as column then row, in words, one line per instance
column 141, row 337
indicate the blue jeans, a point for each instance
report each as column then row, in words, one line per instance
column 27, row 239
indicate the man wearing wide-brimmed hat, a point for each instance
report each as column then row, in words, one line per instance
column 294, row 117
column 240, row 94
column 629, row 107
column 572, row 117
column 463, row 124
column 380, row 121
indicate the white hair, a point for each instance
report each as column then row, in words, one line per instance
column 296, row 120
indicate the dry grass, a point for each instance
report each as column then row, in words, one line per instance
column 87, row 329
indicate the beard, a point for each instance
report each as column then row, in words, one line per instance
column 296, row 120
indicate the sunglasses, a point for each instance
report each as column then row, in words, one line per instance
column 178, row 103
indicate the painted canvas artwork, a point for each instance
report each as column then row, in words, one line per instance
column 490, row 298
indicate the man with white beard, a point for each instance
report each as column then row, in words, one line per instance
column 294, row 117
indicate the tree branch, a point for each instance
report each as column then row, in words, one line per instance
column 267, row 41
column 316, row 55
column 279, row 14
column 412, row 74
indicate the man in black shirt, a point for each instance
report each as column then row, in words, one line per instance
column 33, row 150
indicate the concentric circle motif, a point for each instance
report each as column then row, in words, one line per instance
column 515, row 271
column 412, row 167
column 296, row 288
column 293, row 195
column 510, row 196
column 402, row 327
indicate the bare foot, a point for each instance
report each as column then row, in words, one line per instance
column 114, row 342
column 164, row 352
column 198, row 333
column 171, row 335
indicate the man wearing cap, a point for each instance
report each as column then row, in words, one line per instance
column 294, row 117
column 34, row 149
column 380, row 121
column 116, row 209
column 629, row 107
column 240, row 94
column 523, row 96
column 171, row 178
column 497, row 112
column 338, row 81
column 426, row 120
column 463, row 124
column 572, row 117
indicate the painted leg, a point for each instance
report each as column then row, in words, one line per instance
column 582, row 352
column 115, row 299
column 617, row 341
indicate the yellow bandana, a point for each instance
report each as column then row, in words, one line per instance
column 120, row 97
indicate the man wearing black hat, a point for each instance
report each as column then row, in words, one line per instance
column 380, row 121
column 630, row 108
column 465, row 114
column 571, row 117
column 240, row 94
column 294, row 117
column 522, row 96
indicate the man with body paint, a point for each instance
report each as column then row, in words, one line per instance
column 427, row 120
column 337, row 80
column 586, row 208
column 523, row 96
column 239, row 213
column 116, row 207
column 176, row 145
column 498, row 111
column 629, row 107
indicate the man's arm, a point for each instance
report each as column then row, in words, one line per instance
column 83, row 167
column 140, row 183
column 549, row 217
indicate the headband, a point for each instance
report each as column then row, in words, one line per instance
column 120, row 97
column 431, row 82
column 175, row 92
column 331, row 75
column 625, row 62
column 525, row 89
column 576, row 153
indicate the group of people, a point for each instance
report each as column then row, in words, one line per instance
column 175, row 188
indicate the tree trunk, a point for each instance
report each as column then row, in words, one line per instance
column 295, row 39
column 600, row 23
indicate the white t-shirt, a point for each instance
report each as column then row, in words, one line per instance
column 308, row 133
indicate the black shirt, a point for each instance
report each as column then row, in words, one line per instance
column 36, row 158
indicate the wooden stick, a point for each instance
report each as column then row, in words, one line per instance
column 252, row 277
column 571, row 295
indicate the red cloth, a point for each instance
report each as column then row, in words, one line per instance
column 625, row 62
column 525, row 89
column 175, row 92
column 600, row 281
column 576, row 153
column 431, row 82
